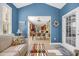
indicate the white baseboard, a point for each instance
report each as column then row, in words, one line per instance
column 55, row 43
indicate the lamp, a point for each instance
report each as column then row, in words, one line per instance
column 19, row 32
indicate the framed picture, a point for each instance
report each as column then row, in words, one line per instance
column 6, row 19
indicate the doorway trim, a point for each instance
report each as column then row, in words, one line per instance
column 42, row 16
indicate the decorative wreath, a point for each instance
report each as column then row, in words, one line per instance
column 56, row 23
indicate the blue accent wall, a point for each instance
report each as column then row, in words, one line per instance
column 67, row 8
column 14, row 18
column 41, row 9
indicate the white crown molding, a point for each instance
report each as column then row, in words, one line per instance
column 56, row 44
column 57, row 5
column 19, row 5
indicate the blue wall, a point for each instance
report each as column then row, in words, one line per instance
column 68, row 7
column 40, row 9
column 14, row 18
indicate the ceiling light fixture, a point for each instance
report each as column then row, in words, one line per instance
column 38, row 19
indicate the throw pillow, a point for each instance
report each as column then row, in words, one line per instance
column 18, row 41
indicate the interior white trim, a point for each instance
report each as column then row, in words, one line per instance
column 50, row 26
column 57, row 5
column 55, row 43
column 28, row 28
column 19, row 5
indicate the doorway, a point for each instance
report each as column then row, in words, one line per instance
column 39, row 30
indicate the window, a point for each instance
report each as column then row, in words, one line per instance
column 6, row 19
column 71, row 29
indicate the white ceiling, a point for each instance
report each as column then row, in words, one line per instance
column 57, row 5
column 43, row 19
column 19, row 5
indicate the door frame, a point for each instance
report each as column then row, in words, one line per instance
column 38, row 16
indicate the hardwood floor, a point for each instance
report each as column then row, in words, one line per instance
column 36, row 41
column 48, row 46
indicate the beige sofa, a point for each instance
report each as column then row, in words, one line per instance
column 6, row 48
